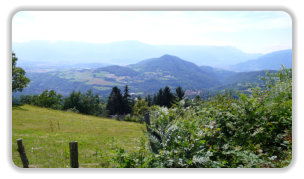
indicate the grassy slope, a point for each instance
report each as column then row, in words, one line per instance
column 46, row 135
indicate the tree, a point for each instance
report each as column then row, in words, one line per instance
column 164, row 97
column 180, row 93
column 149, row 100
column 26, row 99
column 48, row 99
column 140, row 107
column 19, row 80
column 86, row 103
column 154, row 101
column 168, row 97
column 90, row 103
column 159, row 98
column 127, row 103
column 115, row 102
column 73, row 101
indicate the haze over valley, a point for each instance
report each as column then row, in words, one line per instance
column 67, row 66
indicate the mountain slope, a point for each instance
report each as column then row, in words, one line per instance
column 180, row 72
column 117, row 70
column 218, row 73
column 270, row 61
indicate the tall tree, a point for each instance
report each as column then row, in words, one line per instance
column 154, row 101
column 168, row 97
column 19, row 80
column 180, row 93
column 159, row 98
column 115, row 102
column 149, row 100
column 127, row 103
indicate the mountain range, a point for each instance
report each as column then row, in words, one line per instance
column 123, row 53
column 270, row 61
column 147, row 76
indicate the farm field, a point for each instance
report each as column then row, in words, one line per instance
column 46, row 134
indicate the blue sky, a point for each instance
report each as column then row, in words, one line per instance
column 250, row 31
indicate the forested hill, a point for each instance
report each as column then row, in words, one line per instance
column 178, row 71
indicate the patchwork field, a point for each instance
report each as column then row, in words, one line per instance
column 46, row 135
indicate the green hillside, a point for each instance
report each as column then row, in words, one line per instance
column 46, row 135
column 177, row 72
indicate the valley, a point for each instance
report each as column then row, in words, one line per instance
column 147, row 76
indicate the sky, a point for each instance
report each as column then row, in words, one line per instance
column 249, row 31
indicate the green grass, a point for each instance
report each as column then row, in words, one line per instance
column 46, row 135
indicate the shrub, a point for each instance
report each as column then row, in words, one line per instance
column 253, row 130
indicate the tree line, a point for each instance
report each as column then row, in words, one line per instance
column 118, row 103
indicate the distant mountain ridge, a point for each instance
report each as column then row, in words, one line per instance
column 125, row 53
column 270, row 61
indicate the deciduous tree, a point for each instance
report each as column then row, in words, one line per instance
column 19, row 80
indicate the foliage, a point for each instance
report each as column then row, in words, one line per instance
column 140, row 107
column 115, row 102
column 132, row 118
column 164, row 97
column 85, row 103
column 19, row 80
column 48, row 99
column 180, row 93
column 118, row 103
column 168, row 97
column 253, row 130
column 149, row 100
column 127, row 102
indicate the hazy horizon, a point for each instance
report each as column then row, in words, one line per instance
column 249, row 31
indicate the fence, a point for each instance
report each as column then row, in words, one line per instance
column 73, row 154
column 73, row 148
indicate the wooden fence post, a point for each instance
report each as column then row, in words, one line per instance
column 74, row 154
column 22, row 153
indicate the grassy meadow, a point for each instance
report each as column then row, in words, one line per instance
column 46, row 134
